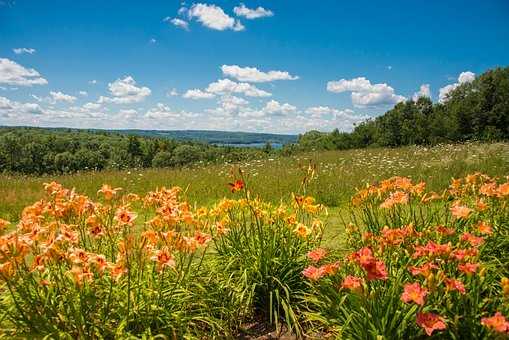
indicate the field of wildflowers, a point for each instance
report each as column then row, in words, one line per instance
column 416, row 261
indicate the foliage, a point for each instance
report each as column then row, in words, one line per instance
column 473, row 111
column 48, row 151
column 424, row 263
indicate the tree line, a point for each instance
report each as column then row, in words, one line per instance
column 40, row 151
column 473, row 111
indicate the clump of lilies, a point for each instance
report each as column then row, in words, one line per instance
column 423, row 263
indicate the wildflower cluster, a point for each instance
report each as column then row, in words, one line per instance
column 442, row 261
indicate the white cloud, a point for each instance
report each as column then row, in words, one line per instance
column 22, row 50
column 226, row 86
column 177, row 22
column 213, row 17
column 83, row 93
column 248, row 13
column 161, row 111
column 61, row 97
column 91, row 106
column 172, row 93
column 273, row 107
column 253, row 75
column 152, row 40
column 424, row 91
column 12, row 73
column 125, row 91
column 463, row 78
column 364, row 93
column 92, row 82
column 9, row 108
column 198, row 94
column 466, row 77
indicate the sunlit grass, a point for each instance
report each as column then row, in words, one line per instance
column 339, row 173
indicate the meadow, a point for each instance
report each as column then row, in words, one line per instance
column 361, row 244
column 338, row 174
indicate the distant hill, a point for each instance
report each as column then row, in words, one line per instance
column 215, row 137
column 204, row 136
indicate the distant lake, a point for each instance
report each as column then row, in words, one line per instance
column 250, row 145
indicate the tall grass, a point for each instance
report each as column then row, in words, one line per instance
column 338, row 174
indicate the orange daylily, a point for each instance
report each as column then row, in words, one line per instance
column 430, row 322
column 413, row 292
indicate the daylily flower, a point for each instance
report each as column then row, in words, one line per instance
column 453, row 284
column 352, row 282
column 498, row 323
column 414, row 292
column 430, row 322
column 237, row 185
column 317, row 254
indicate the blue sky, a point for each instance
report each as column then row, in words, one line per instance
column 271, row 66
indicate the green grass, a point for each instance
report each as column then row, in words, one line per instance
column 339, row 173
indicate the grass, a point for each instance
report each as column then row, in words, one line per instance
column 339, row 173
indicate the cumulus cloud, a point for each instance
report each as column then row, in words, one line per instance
column 172, row 93
column 227, row 86
column 213, row 17
column 92, row 82
column 177, row 22
column 463, row 78
column 10, row 108
column 424, row 91
column 61, row 97
column 12, row 73
column 273, row 107
column 253, row 75
column 125, row 91
column 161, row 112
column 198, row 94
column 83, row 93
column 22, row 50
column 364, row 94
column 248, row 13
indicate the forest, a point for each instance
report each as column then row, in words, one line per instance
column 473, row 111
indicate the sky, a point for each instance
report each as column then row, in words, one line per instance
column 262, row 66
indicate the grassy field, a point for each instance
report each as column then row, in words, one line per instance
column 411, row 262
column 339, row 173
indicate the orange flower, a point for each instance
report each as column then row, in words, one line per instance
column 432, row 249
column 302, row 230
column 163, row 258
column 313, row 273
column 430, row 322
column 352, row 282
column 498, row 323
column 461, row 254
column 445, row 231
column 484, row 228
column 397, row 197
column 488, row 189
column 468, row 268
column 3, row 224
column 317, row 254
column 376, row 271
column 125, row 216
column 414, row 292
column 237, row 185
column 424, row 270
column 480, row 205
column 202, row 238
column 329, row 269
column 503, row 190
column 460, row 211
column 363, row 256
column 453, row 284
column 108, row 191
column 474, row 241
